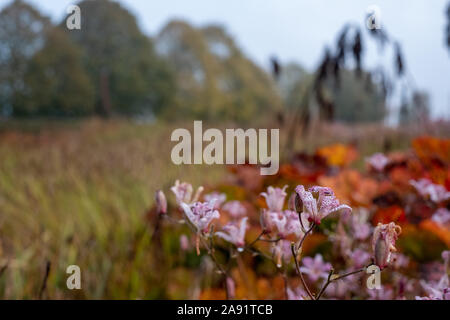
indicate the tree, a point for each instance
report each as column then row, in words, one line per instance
column 57, row 84
column 128, row 76
column 22, row 34
column 358, row 98
column 214, row 79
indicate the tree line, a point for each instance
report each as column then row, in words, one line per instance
column 110, row 67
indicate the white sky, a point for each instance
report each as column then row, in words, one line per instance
column 296, row 30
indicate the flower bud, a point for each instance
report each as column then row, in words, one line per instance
column 383, row 243
column 161, row 202
column 184, row 242
column 231, row 288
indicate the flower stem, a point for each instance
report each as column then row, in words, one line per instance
column 214, row 259
column 256, row 240
column 300, row 273
column 304, row 236
column 338, row 277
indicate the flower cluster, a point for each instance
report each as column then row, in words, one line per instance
column 322, row 248
column 439, row 290
column 427, row 189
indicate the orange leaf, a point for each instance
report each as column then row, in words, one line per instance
column 338, row 154
column 440, row 231
column 390, row 214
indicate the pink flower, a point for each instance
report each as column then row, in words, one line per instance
column 360, row 226
column 436, row 291
column 383, row 243
column 359, row 258
column 219, row 198
column 235, row 209
column 161, row 202
column 318, row 202
column 446, row 257
column 275, row 198
column 427, row 189
column 234, row 234
column 285, row 222
column 281, row 252
column 381, row 294
column 342, row 288
column 315, row 268
column 200, row 214
column 400, row 261
column 296, row 294
column 378, row 161
column 441, row 216
column 183, row 192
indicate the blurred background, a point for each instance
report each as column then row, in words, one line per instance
column 86, row 115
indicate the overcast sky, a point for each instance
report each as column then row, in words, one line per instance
column 296, row 30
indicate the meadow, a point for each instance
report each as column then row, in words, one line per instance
column 81, row 193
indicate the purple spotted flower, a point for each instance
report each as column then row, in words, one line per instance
column 318, row 202
column 183, row 192
column 200, row 214
column 234, row 233
column 275, row 198
column 315, row 268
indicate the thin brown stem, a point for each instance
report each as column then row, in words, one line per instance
column 338, row 277
column 217, row 264
column 259, row 253
column 256, row 240
column 325, row 285
column 44, row 281
column 348, row 274
column 271, row 240
column 212, row 255
column 3, row 268
column 297, row 267
column 304, row 236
